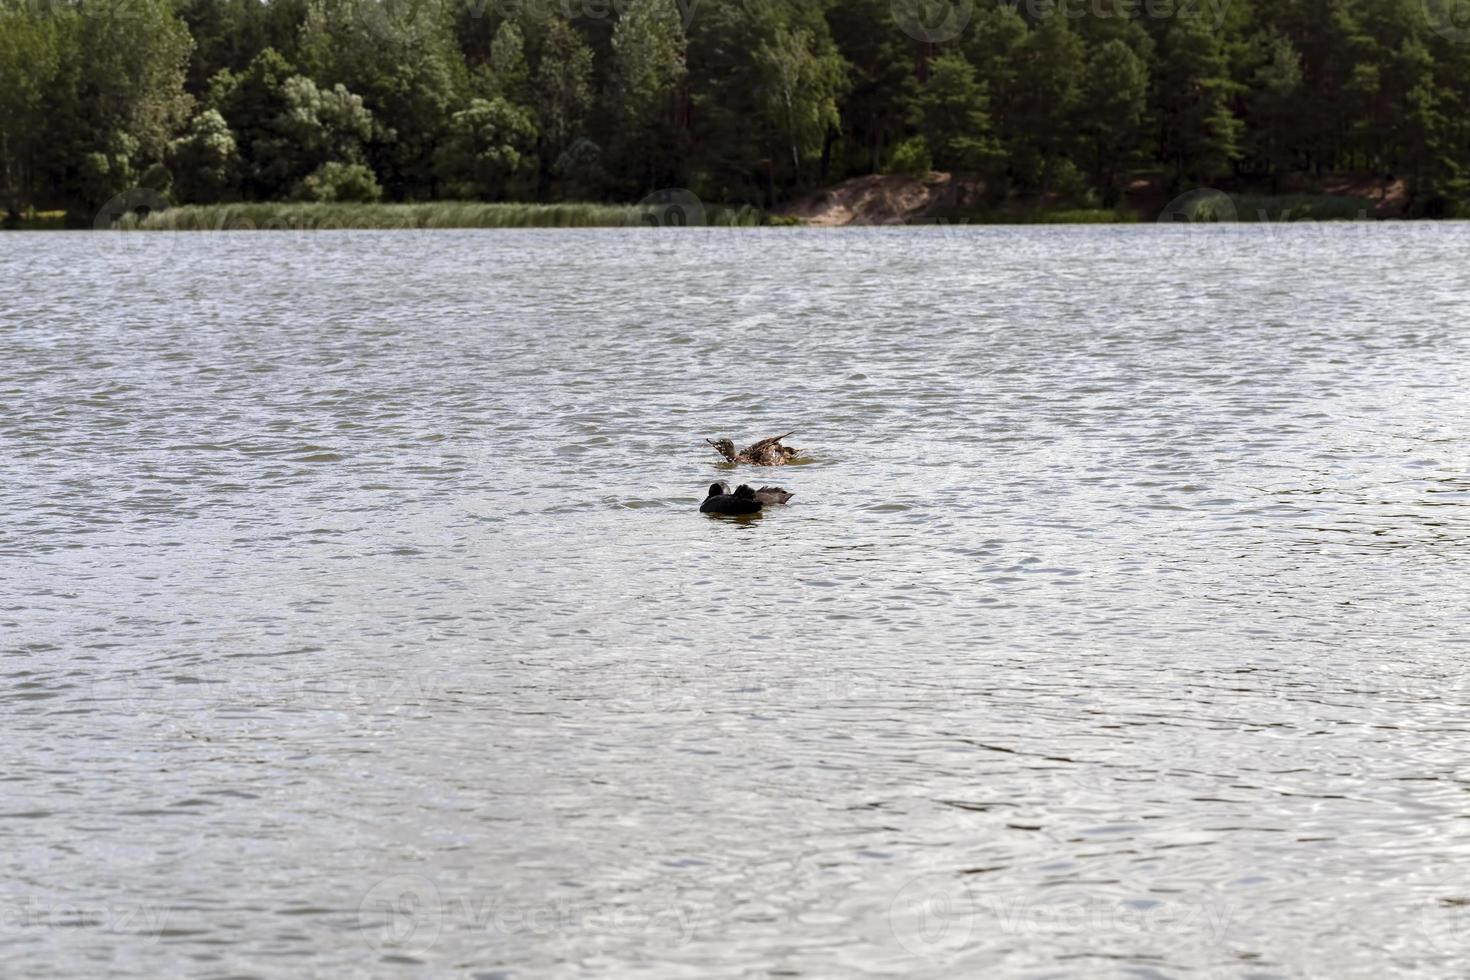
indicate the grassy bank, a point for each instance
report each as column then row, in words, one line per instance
column 1280, row 207
column 290, row 216
column 301, row 216
column 1245, row 208
column 1031, row 216
column 294, row 216
column 33, row 220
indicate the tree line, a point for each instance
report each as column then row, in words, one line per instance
column 740, row 101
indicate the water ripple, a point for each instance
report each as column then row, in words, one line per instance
column 356, row 612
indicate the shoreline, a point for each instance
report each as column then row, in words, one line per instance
column 418, row 216
column 833, row 211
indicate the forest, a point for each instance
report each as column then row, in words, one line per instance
column 745, row 102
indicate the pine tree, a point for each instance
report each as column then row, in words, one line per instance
column 1048, row 77
column 953, row 116
column 648, row 69
column 1199, row 135
column 563, row 91
column 883, row 82
column 1271, row 134
column 1111, row 113
column 30, row 60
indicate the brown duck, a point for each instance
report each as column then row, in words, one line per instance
column 767, row 452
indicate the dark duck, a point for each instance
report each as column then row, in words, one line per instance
column 743, row 501
column 767, row 452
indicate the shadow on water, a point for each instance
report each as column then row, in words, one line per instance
column 743, row 519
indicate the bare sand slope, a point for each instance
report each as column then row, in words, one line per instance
column 881, row 199
column 892, row 199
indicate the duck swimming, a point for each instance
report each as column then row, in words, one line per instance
column 743, row 501
column 767, row 452
column 766, row 495
column 721, row 501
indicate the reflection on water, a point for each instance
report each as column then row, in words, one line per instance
column 358, row 615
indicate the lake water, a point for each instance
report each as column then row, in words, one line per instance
column 358, row 619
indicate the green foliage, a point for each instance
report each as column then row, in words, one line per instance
column 507, row 71
column 1081, row 216
column 1278, row 208
column 1113, row 104
column 32, row 220
column 648, row 48
column 1200, row 134
column 283, row 125
column 30, row 61
column 205, row 160
column 252, row 104
column 579, row 172
column 563, row 88
column 1070, row 185
column 883, row 79
column 1015, row 213
column 304, row 216
column 157, row 178
column 326, row 124
column 230, row 33
column 799, row 77
column 108, row 169
column 1049, row 64
column 1300, row 207
column 337, row 181
column 490, row 153
column 402, row 58
column 648, row 51
column 90, row 95
column 911, row 157
column 1275, row 100
column 954, row 117
column 740, row 101
column 134, row 54
column 729, row 157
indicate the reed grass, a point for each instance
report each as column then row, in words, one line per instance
column 303, row 216
column 33, row 220
column 310, row 216
column 1084, row 216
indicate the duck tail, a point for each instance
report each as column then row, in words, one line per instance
column 772, row 440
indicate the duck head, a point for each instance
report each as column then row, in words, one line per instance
column 717, row 490
column 724, row 447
